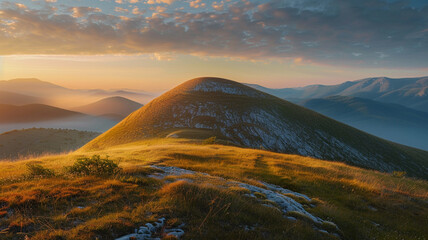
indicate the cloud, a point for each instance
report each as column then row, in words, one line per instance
column 121, row 10
column 196, row 4
column 352, row 32
column 137, row 11
column 218, row 6
column 79, row 12
column 160, row 1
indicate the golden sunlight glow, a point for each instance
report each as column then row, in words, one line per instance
column 146, row 72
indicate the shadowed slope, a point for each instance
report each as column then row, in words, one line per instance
column 254, row 119
column 18, row 99
column 33, row 113
column 390, row 121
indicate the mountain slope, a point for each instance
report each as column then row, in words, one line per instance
column 114, row 107
column 209, row 191
column 410, row 92
column 44, row 116
column 36, row 141
column 32, row 87
column 250, row 118
column 33, row 113
column 18, row 99
column 390, row 121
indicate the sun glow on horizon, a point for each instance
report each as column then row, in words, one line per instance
column 146, row 72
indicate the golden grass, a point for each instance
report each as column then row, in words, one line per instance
column 355, row 199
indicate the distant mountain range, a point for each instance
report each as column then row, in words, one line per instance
column 390, row 121
column 410, row 92
column 241, row 115
column 18, row 99
column 28, row 103
column 55, row 95
column 116, row 108
column 34, row 113
column 44, row 116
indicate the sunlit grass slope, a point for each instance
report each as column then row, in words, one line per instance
column 250, row 118
column 364, row 204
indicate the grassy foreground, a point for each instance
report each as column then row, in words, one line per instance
column 364, row 204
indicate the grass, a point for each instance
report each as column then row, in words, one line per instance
column 364, row 204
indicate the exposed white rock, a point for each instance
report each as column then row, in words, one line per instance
column 147, row 231
column 284, row 203
column 226, row 87
column 272, row 192
column 176, row 232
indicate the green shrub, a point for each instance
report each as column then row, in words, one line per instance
column 94, row 166
column 210, row 140
column 398, row 174
column 37, row 170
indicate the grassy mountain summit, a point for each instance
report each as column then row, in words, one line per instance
column 250, row 118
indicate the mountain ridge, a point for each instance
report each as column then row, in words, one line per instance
column 410, row 92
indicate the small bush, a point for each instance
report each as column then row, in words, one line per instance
column 94, row 166
column 210, row 140
column 398, row 174
column 37, row 170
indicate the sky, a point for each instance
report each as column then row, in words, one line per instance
column 153, row 45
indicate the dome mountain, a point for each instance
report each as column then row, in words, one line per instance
column 250, row 118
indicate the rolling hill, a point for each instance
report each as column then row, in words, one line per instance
column 33, row 113
column 44, row 116
column 63, row 97
column 390, row 121
column 33, row 87
column 18, row 99
column 116, row 108
column 32, row 142
column 247, row 117
column 410, row 92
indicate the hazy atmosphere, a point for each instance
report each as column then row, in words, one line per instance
column 222, row 119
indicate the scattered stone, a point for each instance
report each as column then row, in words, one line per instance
column 176, row 232
column 371, row 208
column 274, row 194
column 147, row 231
